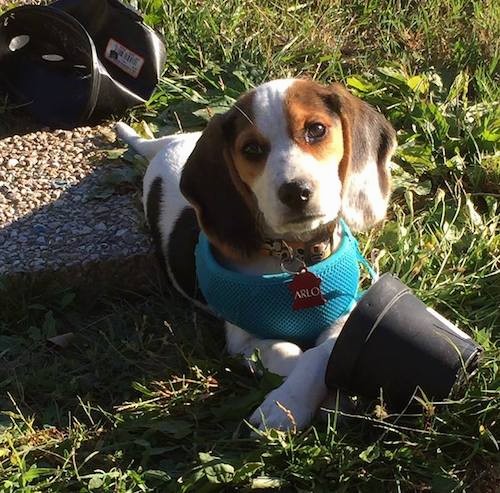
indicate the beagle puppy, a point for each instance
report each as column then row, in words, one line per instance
column 281, row 167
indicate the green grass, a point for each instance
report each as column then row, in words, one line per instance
column 144, row 398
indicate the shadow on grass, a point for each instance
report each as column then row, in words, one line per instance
column 118, row 337
column 143, row 382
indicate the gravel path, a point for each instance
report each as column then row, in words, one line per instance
column 57, row 207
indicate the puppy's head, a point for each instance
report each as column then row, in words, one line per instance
column 286, row 160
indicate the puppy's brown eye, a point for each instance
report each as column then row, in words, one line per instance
column 253, row 150
column 315, row 132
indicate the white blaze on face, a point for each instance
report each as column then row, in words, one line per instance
column 286, row 162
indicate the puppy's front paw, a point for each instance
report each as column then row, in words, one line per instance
column 283, row 410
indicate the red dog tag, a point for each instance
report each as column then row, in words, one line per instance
column 306, row 290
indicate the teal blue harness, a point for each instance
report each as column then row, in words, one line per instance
column 262, row 304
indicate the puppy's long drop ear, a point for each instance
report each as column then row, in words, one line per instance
column 369, row 143
column 212, row 185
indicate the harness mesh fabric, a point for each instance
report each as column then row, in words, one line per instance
column 262, row 305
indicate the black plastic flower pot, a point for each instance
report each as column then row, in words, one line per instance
column 394, row 346
column 78, row 61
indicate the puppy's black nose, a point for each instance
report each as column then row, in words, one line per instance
column 295, row 194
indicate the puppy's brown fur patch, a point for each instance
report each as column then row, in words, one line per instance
column 304, row 105
column 245, row 133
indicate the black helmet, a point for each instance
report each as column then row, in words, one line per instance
column 77, row 61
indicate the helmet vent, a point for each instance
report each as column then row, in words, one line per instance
column 19, row 42
column 53, row 58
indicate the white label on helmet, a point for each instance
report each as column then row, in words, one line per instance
column 125, row 59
